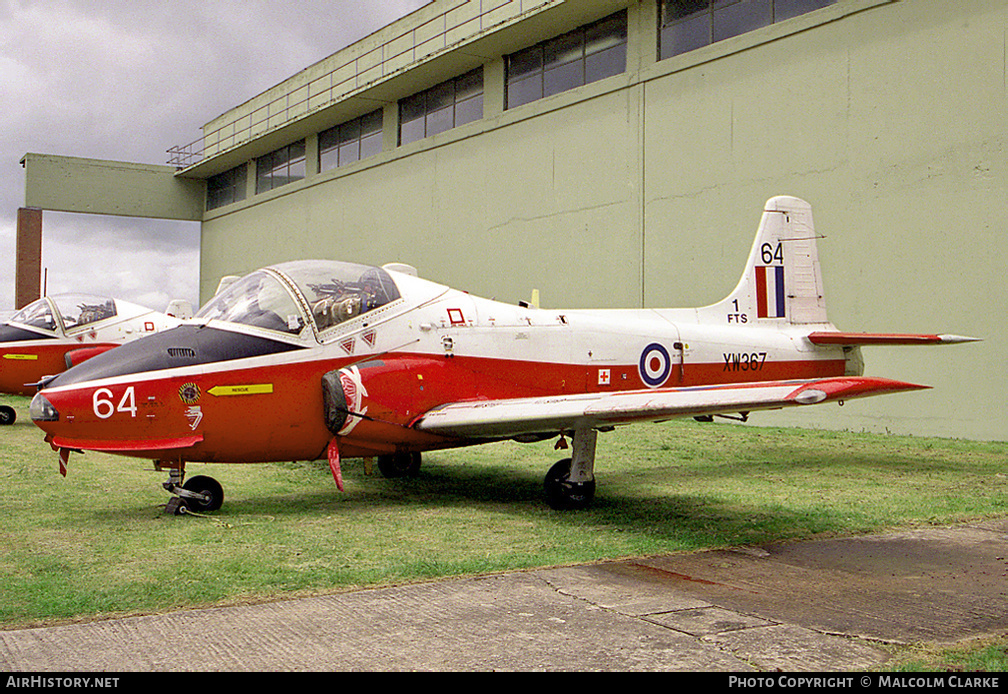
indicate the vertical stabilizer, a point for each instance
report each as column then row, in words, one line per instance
column 782, row 282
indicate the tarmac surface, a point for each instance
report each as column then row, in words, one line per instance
column 826, row 605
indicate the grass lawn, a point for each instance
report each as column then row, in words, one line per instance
column 985, row 654
column 98, row 542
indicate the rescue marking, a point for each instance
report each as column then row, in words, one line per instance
column 369, row 337
column 251, row 389
column 21, row 357
column 455, row 316
column 347, row 345
column 655, row 365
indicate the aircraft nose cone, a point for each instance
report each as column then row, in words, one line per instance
column 41, row 410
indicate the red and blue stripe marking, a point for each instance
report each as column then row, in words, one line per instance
column 770, row 291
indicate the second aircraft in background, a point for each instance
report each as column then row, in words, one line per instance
column 53, row 333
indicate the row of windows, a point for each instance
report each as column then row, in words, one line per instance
column 582, row 56
column 338, row 146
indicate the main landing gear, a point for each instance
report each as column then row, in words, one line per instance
column 570, row 483
column 399, row 465
column 198, row 494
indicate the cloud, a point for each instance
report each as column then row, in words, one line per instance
column 149, row 262
column 126, row 80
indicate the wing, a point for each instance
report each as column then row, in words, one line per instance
column 523, row 416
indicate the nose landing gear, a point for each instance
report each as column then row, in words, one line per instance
column 198, row 494
column 7, row 414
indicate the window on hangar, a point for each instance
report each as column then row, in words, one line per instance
column 351, row 141
column 579, row 57
column 280, row 167
column 227, row 187
column 442, row 107
column 686, row 25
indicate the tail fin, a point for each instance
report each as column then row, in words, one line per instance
column 782, row 282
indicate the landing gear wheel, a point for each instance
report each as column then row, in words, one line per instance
column 564, row 495
column 399, row 465
column 209, row 487
column 7, row 415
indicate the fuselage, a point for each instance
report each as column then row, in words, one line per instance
column 251, row 389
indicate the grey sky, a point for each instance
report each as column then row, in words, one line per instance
column 126, row 80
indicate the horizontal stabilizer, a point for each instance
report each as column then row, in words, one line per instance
column 126, row 445
column 489, row 419
column 839, row 338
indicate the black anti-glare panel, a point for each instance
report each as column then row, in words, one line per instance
column 8, row 333
column 185, row 345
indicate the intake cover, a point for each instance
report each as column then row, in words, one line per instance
column 343, row 394
column 335, row 401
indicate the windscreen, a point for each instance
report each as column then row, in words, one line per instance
column 259, row 300
column 37, row 314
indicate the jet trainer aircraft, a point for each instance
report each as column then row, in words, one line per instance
column 56, row 332
column 317, row 358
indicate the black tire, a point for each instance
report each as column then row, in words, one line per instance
column 564, row 495
column 7, row 415
column 399, row 465
column 201, row 484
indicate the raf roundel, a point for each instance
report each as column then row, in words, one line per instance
column 655, row 365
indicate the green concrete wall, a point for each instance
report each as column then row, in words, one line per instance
column 646, row 189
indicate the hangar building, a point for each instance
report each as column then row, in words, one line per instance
column 617, row 153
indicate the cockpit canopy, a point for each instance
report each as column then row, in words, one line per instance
column 71, row 311
column 285, row 297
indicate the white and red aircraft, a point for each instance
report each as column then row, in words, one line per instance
column 53, row 333
column 320, row 358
